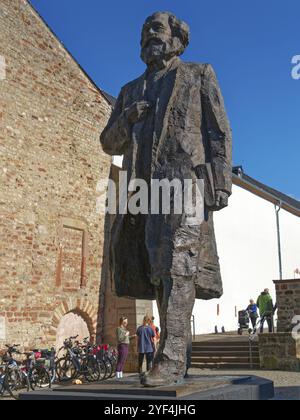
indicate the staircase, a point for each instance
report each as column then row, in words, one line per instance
column 225, row 354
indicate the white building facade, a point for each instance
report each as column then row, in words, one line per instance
column 258, row 237
column 247, row 239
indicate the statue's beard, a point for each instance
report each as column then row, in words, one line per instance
column 158, row 52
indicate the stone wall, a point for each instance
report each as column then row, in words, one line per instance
column 51, row 116
column 288, row 301
column 279, row 351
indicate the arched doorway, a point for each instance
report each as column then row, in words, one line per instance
column 71, row 325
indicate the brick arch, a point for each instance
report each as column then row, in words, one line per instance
column 80, row 307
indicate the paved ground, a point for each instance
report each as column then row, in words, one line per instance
column 287, row 384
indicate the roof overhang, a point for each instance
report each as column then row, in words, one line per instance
column 260, row 192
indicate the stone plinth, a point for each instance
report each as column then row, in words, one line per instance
column 280, row 351
column 205, row 388
column 288, row 301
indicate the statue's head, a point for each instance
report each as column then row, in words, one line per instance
column 164, row 36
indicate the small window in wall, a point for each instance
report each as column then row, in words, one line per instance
column 71, row 266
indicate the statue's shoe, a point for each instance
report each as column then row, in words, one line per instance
column 165, row 373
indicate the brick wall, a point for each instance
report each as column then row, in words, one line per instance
column 288, row 301
column 51, row 117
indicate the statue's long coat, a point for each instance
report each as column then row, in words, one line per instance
column 190, row 129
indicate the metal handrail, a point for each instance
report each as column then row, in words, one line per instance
column 193, row 322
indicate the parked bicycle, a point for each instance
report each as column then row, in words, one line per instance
column 78, row 362
column 13, row 378
column 108, row 357
column 35, row 368
column 47, row 357
column 41, row 368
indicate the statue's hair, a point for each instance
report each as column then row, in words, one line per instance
column 179, row 28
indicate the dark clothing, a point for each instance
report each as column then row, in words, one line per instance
column 186, row 128
column 149, row 359
column 253, row 320
column 146, row 127
column 123, row 350
column 269, row 320
column 145, row 339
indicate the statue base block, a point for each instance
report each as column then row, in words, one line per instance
column 195, row 388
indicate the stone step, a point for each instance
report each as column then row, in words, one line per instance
column 225, row 353
column 224, row 350
column 197, row 387
column 224, row 366
column 224, row 344
column 220, row 359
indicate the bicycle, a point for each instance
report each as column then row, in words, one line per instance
column 77, row 362
column 13, row 378
column 50, row 355
column 35, row 368
column 109, row 358
column 95, row 350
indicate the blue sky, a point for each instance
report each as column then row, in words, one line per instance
column 250, row 44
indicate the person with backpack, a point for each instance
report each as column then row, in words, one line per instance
column 266, row 310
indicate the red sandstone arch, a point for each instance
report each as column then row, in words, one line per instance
column 80, row 307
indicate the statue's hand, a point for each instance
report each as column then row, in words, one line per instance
column 137, row 111
column 221, row 200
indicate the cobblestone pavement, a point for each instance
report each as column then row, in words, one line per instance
column 287, row 384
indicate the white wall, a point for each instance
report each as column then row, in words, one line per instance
column 247, row 245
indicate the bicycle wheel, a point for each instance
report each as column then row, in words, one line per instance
column 15, row 381
column 65, row 370
column 39, row 378
column 109, row 369
column 91, row 370
column 2, row 387
column 102, row 369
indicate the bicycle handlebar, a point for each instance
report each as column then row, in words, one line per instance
column 73, row 338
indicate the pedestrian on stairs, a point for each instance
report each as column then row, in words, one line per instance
column 266, row 310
